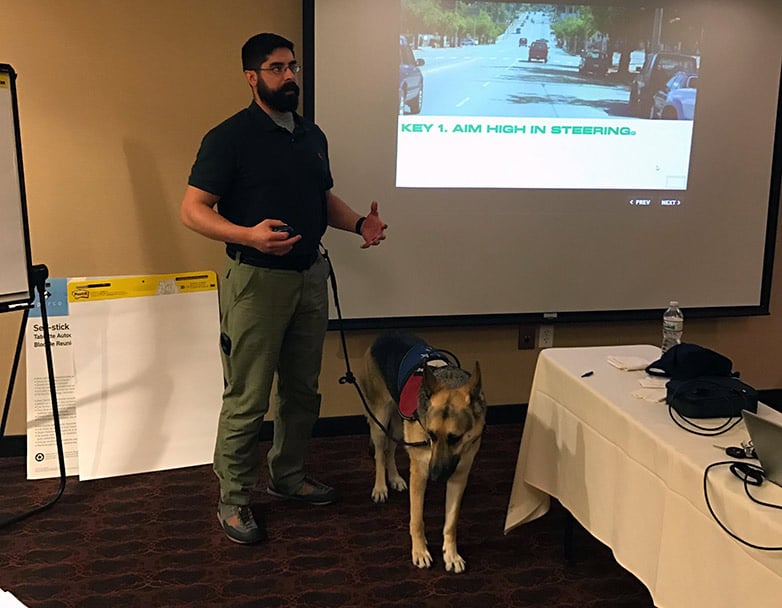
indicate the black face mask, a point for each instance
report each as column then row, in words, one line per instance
column 284, row 99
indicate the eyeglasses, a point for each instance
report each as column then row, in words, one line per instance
column 279, row 68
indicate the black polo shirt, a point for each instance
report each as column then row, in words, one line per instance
column 261, row 170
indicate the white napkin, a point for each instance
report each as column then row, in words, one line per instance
column 628, row 364
column 650, row 394
column 653, row 381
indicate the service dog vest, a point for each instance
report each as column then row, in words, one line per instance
column 411, row 374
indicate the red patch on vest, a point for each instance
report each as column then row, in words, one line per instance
column 408, row 398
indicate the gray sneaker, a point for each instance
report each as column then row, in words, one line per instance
column 310, row 491
column 239, row 524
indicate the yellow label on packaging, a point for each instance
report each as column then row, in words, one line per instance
column 146, row 285
column 4, row 81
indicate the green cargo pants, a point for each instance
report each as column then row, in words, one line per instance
column 271, row 321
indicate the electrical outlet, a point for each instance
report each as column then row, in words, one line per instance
column 526, row 337
column 545, row 336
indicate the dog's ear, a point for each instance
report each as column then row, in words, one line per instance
column 477, row 399
column 475, row 380
column 429, row 386
column 430, row 383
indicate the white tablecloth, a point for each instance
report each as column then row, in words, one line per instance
column 634, row 479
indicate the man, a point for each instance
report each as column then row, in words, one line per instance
column 261, row 183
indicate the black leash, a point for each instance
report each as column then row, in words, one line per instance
column 349, row 377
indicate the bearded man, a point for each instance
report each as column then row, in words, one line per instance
column 261, row 183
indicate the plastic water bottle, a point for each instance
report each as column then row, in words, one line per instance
column 673, row 326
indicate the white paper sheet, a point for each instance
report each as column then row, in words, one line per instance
column 42, row 458
column 8, row 600
column 148, row 377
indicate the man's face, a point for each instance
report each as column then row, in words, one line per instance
column 279, row 91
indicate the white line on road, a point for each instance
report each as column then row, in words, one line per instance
column 462, row 102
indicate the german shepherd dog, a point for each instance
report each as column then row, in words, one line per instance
column 442, row 437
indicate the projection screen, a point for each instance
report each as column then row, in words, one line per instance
column 549, row 161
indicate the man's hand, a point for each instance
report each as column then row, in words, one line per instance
column 266, row 240
column 373, row 229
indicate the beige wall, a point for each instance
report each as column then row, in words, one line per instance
column 114, row 98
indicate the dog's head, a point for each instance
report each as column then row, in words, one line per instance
column 452, row 411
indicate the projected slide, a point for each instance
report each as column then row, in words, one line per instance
column 552, row 160
column 522, row 95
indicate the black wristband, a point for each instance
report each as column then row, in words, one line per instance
column 360, row 223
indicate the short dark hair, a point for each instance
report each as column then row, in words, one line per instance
column 259, row 47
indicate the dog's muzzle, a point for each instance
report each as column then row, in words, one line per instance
column 442, row 469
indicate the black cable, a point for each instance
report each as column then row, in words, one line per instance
column 770, row 505
column 703, row 431
column 746, row 489
column 710, row 431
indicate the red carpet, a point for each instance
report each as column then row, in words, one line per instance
column 153, row 540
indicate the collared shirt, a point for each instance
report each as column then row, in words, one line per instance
column 260, row 170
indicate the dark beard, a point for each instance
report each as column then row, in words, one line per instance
column 284, row 99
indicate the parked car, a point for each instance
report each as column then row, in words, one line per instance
column 469, row 42
column 522, row 41
column 594, row 61
column 658, row 68
column 411, row 80
column 538, row 50
column 676, row 101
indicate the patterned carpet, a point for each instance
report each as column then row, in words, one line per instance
column 153, row 540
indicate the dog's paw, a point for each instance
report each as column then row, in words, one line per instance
column 422, row 558
column 453, row 561
column 379, row 494
column 398, row 484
